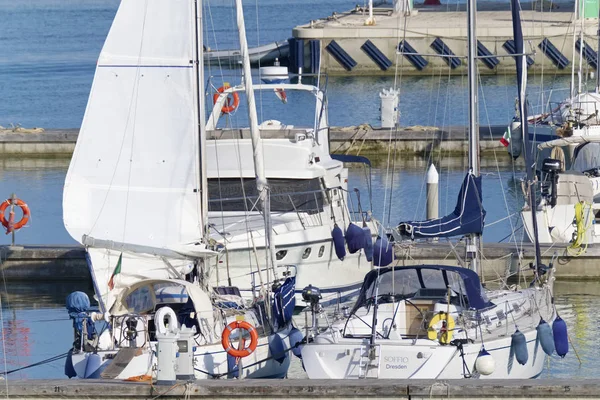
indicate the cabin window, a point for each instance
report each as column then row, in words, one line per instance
column 306, row 253
column 321, row 251
column 287, row 195
column 280, row 255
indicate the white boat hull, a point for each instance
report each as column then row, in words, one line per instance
column 423, row 360
column 210, row 361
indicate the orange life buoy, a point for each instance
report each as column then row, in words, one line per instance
column 9, row 223
column 230, row 106
column 246, row 351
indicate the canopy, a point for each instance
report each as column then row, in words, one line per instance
column 467, row 218
column 406, row 281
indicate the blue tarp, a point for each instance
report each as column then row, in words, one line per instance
column 467, row 218
column 284, row 301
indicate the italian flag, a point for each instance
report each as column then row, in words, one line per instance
column 117, row 270
column 506, row 138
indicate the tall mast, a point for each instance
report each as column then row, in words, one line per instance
column 521, row 64
column 199, row 65
column 473, row 240
column 598, row 55
column 261, row 180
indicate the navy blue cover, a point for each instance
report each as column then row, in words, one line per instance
column 467, row 218
column 338, row 242
column 472, row 284
column 284, row 301
column 383, row 252
column 355, row 239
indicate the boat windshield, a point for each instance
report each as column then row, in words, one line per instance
column 287, row 195
column 431, row 281
column 146, row 298
column 587, row 157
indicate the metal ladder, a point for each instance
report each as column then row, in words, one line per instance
column 369, row 361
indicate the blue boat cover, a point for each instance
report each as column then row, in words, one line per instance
column 355, row 238
column 404, row 282
column 284, row 301
column 467, row 218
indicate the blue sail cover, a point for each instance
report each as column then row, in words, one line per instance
column 467, row 218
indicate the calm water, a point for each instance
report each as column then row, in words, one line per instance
column 48, row 50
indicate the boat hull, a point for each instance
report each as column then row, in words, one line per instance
column 210, row 361
column 427, row 360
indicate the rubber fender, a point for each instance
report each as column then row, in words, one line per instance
column 561, row 337
column 338, row 242
column 544, row 336
column 518, row 345
column 277, row 348
column 383, row 252
column 296, row 336
column 355, row 239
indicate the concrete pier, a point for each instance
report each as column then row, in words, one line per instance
column 446, row 25
column 362, row 139
column 67, row 263
column 305, row 389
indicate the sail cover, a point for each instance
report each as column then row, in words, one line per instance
column 467, row 218
column 134, row 174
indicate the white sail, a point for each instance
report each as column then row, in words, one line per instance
column 134, row 176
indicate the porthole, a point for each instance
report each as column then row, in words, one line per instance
column 321, row 251
column 280, row 254
column 306, row 253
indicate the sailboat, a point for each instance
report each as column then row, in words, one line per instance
column 567, row 157
column 136, row 197
column 439, row 321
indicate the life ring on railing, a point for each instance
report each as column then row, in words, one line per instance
column 246, row 351
column 444, row 334
column 230, row 106
column 9, row 223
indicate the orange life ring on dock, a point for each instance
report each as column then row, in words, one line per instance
column 230, row 106
column 9, row 223
column 246, row 351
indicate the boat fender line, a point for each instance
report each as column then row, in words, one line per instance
column 444, row 334
column 338, row 242
column 159, row 320
column 244, row 351
column 485, row 364
column 544, row 337
column 561, row 337
column 578, row 245
column 10, row 223
column 231, row 105
column 354, row 238
column 518, row 347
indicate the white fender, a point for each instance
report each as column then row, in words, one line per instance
column 172, row 325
